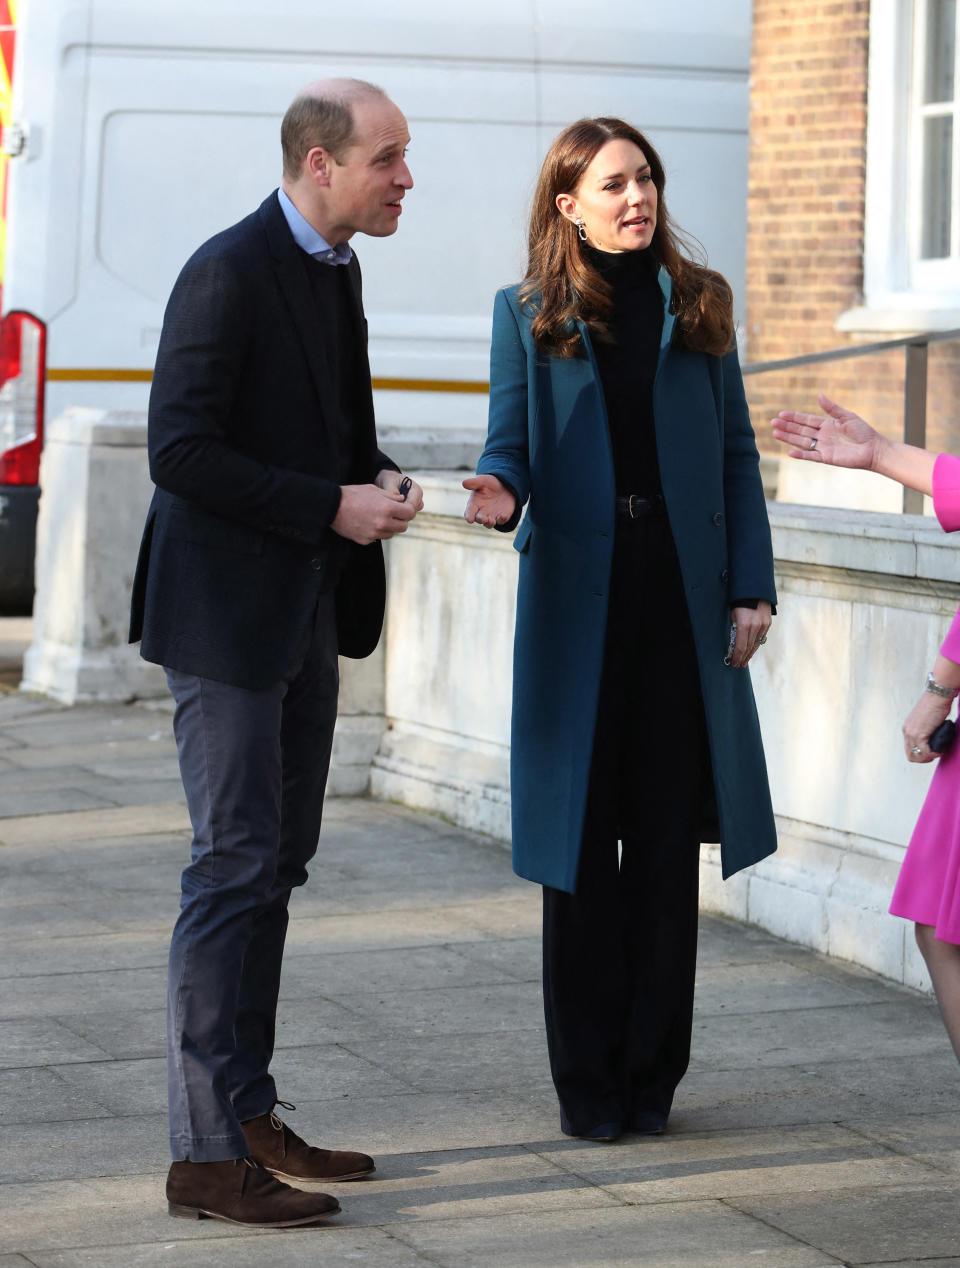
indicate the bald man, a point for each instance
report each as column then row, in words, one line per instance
column 260, row 562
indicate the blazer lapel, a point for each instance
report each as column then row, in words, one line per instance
column 295, row 287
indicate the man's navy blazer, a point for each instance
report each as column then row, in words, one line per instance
column 243, row 450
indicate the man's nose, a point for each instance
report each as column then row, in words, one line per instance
column 404, row 178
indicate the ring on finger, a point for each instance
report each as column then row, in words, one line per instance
column 916, row 751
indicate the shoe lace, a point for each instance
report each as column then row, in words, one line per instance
column 277, row 1123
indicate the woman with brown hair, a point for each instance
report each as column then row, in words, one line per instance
column 646, row 585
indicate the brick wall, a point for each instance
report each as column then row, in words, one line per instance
column 805, row 204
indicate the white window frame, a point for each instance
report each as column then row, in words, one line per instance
column 902, row 293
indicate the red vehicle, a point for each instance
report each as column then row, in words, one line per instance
column 22, row 373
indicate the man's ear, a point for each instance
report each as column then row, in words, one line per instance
column 567, row 206
column 317, row 165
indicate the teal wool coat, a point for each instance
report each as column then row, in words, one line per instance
column 549, row 439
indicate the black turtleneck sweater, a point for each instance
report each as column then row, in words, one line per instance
column 628, row 362
column 627, row 367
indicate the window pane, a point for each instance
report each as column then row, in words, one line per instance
column 940, row 47
column 937, row 175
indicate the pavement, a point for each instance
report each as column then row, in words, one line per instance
column 819, row 1123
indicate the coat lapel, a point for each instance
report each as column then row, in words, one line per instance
column 666, row 287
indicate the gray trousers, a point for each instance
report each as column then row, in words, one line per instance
column 254, row 766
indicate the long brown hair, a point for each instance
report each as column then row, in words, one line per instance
column 562, row 285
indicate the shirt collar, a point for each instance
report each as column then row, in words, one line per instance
column 306, row 237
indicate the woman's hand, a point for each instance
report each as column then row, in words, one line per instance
column 923, row 719
column 752, row 626
column 490, row 503
column 842, row 440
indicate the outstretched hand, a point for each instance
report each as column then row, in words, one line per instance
column 843, row 439
column 490, row 503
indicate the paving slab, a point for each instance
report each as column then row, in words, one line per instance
column 19, row 779
column 411, row 926
column 84, row 825
column 22, row 923
column 477, row 1010
column 80, row 954
column 775, row 984
column 139, row 793
column 417, row 1122
column 24, row 704
column 49, row 800
column 814, row 1092
column 385, row 972
column 159, row 763
column 122, row 1034
column 896, row 1027
column 458, row 1062
column 90, row 992
column 37, row 1095
column 677, row 1167
column 73, row 1222
column 933, row 1138
column 34, row 1042
column 84, row 753
column 282, row 1248
column 63, row 1150
column 670, row 1235
column 517, row 958
column 862, row 1226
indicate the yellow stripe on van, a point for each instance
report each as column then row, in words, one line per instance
column 85, row 375
column 89, row 375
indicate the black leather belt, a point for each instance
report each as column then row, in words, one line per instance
column 635, row 507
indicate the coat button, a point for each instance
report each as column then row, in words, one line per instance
column 316, row 564
column 724, row 575
column 717, row 520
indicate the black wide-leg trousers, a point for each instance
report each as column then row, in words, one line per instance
column 619, row 954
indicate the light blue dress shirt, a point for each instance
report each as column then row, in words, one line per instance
column 306, row 237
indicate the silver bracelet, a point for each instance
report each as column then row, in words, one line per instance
column 948, row 693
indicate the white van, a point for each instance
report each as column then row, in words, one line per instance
column 138, row 128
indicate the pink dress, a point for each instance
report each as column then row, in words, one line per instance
column 928, row 887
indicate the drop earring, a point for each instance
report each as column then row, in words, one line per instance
column 581, row 232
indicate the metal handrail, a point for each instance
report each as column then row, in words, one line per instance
column 914, row 387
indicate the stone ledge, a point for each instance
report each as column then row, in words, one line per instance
column 84, row 426
column 469, row 788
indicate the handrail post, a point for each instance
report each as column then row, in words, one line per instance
column 915, row 414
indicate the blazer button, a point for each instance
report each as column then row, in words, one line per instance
column 724, row 575
column 717, row 520
column 316, row 564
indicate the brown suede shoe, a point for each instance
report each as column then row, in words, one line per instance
column 284, row 1154
column 240, row 1192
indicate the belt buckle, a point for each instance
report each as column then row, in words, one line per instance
column 630, row 501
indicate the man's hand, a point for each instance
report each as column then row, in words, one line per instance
column 490, row 503
column 752, row 626
column 368, row 513
column 389, row 481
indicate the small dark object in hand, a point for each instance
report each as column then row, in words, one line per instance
column 405, row 486
column 943, row 736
